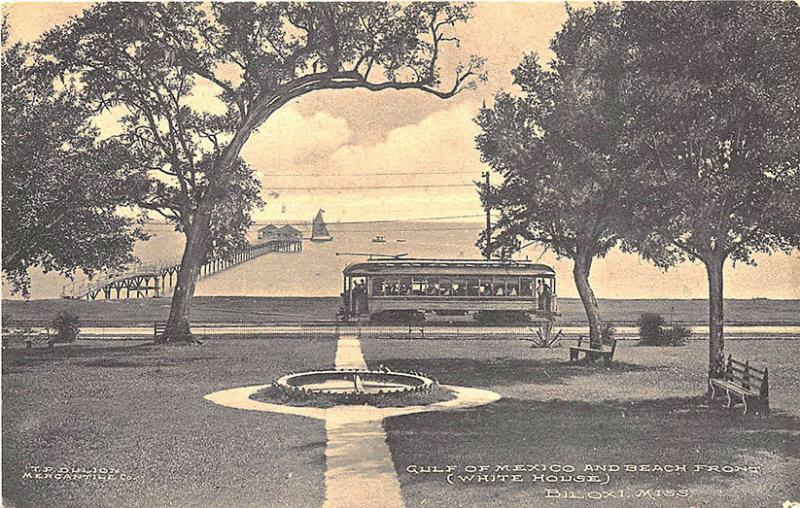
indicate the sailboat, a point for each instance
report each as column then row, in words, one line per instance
column 319, row 231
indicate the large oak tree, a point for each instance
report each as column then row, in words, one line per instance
column 714, row 99
column 556, row 147
column 62, row 185
column 148, row 58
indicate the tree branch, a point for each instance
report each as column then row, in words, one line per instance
column 686, row 248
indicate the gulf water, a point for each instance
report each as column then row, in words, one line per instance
column 317, row 270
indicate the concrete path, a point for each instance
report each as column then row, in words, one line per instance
column 360, row 472
column 239, row 398
column 348, row 353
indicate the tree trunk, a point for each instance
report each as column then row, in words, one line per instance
column 580, row 271
column 194, row 255
column 716, row 339
column 196, row 250
column 197, row 241
column 177, row 328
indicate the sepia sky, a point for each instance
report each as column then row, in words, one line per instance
column 362, row 139
column 331, row 149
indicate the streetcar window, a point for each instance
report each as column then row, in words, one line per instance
column 512, row 287
column 472, row 287
column 433, row 287
column 445, row 287
column 392, row 287
column 378, row 287
column 460, row 287
column 486, row 288
column 526, row 287
column 405, row 286
column 499, row 287
column 421, row 286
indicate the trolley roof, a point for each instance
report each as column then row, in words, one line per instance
column 441, row 267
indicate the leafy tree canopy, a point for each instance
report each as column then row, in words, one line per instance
column 715, row 129
column 62, row 187
column 149, row 58
column 557, row 148
column 714, row 136
column 555, row 145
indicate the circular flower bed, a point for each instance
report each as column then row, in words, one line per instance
column 330, row 387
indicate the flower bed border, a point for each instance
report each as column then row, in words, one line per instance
column 422, row 385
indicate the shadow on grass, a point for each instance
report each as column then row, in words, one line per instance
column 147, row 362
column 311, row 445
column 134, row 355
column 682, row 430
column 506, row 371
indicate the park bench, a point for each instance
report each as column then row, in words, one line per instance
column 592, row 354
column 746, row 382
column 158, row 330
column 28, row 338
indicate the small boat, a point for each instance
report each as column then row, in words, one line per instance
column 319, row 231
column 379, row 239
column 401, row 240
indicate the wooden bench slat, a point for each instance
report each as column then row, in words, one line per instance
column 592, row 353
column 590, row 350
column 744, row 364
column 735, row 387
column 741, row 382
column 751, row 371
column 743, row 376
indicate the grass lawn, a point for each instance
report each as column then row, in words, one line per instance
column 645, row 410
column 140, row 409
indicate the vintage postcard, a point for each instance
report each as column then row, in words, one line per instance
column 417, row 254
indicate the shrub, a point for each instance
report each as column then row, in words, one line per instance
column 677, row 335
column 650, row 329
column 653, row 333
column 67, row 327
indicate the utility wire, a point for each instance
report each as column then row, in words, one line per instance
column 267, row 175
column 447, row 217
column 476, row 227
column 386, row 221
column 367, row 188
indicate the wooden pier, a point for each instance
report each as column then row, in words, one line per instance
column 158, row 279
